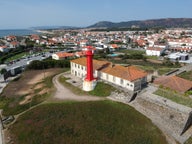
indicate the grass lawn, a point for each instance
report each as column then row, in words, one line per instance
column 186, row 75
column 101, row 122
column 165, row 70
column 184, row 100
column 132, row 51
column 18, row 56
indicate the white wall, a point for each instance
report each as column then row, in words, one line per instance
column 153, row 53
column 54, row 56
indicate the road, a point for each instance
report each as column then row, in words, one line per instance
column 23, row 62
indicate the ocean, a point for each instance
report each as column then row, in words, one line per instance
column 17, row 32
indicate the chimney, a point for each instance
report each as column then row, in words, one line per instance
column 112, row 64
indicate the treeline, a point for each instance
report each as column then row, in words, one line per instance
column 49, row 63
column 11, row 53
column 132, row 56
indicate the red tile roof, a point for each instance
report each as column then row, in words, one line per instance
column 155, row 48
column 64, row 54
column 174, row 83
column 130, row 73
column 96, row 64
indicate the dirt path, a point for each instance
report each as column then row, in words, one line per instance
column 65, row 94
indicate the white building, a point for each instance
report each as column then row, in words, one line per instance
column 154, row 51
column 62, row 55
column 129, row 77
column 4, row 49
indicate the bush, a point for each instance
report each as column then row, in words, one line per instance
column 39, row 65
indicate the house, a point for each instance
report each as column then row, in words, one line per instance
column 35, row 38
column 113, row 47
column 154, row 51
column 4, row 48
column 178, row 56
column 13, row 44
column 141, row 42
column 131, row 77
column 175, row 83
column 80, row 54
column 83, row 43
column 11, row 38
column 181, row 49
column 62, row 55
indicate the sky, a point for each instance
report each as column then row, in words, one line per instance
column 81, row 13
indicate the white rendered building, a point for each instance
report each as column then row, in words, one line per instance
column 129, row 77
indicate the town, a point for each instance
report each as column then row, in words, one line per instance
column 152, row 68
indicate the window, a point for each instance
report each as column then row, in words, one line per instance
column 121, row 81
column 114, row 78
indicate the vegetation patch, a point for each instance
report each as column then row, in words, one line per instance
column 102, row 89
column 32, row 88
column 103, row 122
column 165, row 70
column 189, row 141
column 178, row 98
column 186, row 75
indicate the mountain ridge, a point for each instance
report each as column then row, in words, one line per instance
column 163, row 22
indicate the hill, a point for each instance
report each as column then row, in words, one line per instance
column 165, row 23
column 102, row 122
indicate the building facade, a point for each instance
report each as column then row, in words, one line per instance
column 130, row 77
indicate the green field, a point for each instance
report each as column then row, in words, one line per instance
column 186, row 75
column 189, row 141
column 178, row 98
column 103, row 122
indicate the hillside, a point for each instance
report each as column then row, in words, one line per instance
column 85, row 123
column 166, row 23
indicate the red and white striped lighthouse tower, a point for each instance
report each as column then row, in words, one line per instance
column 89, row 82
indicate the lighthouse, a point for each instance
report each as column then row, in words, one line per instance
column 89, row 82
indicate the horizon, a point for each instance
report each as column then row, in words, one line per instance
column 20, row 14
column 55, row 26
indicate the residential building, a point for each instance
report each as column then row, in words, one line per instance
column 154, row 51
column 178, row 56
column 4, row 48
column 62, row 55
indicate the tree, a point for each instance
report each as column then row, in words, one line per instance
column 3, row 71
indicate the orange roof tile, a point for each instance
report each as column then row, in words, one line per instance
column 174, row 83
column 130, row 73
column 64, row 54
column 96, row 64
column 155, row 48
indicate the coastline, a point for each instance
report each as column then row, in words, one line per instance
column 17, row 32
column 44, row 32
